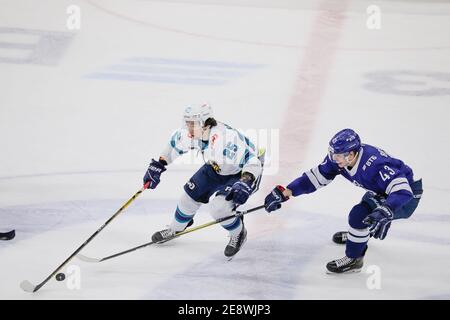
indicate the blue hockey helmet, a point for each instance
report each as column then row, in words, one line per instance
column 343, row 142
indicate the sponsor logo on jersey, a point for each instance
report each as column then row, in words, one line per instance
column 190, row 185
column 369, row 162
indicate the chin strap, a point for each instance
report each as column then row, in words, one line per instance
column 349, row 162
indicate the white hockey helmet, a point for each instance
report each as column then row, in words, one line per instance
column 199, row 113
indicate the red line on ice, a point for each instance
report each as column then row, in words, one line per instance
column 309, row 88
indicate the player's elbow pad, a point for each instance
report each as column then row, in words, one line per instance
column 398, row 199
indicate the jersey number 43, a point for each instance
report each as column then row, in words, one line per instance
column 386, row 175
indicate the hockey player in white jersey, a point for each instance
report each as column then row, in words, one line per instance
column 231, row 173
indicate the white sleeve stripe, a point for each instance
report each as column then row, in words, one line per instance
column 322, row 180
column 315, row 176
column 394, row 182
column 401, row 186
column 358, row 232
column 357, row 240
column 313, row 179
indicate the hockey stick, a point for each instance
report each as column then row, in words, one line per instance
column 29, row 287
column 237, row 214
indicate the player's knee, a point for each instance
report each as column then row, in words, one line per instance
column 188, row 205
column 220, row 207
column 357, row 215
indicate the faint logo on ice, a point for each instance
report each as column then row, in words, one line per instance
column 74, row 19
column 73, row 281
column 374, row 280
column 175, row 71
column 408, row 83
column 30, row 46
column 374, row 19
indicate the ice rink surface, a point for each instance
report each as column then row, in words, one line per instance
column 82, row 112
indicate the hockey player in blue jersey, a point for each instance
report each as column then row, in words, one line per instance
column 230, row 175
column 392, row 193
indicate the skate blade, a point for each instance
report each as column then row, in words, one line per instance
column 346, row 272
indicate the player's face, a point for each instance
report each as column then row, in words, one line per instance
column 340, row 159
column 195, row 129
column 343, row 159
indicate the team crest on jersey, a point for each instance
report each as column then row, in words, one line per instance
column 215, row 166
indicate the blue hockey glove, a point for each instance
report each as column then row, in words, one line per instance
column 379, row 221
column 241, row 190
column 153, row 174
column 275, row 198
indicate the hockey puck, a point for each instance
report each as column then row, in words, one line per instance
column 60, row 276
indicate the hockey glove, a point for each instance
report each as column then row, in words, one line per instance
column 241, row 190
column 154, row 171
column 275, row 198
column 379, row 221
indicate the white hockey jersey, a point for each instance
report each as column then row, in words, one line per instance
column 227, row 150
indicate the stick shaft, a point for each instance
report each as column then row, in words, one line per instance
column 202, row 226
column 90, row 238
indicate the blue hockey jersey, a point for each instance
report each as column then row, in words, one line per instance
column 374, row 171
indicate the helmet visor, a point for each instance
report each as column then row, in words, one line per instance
column 337, row 157
column 194, row 128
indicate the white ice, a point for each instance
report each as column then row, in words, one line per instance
column 75, row 144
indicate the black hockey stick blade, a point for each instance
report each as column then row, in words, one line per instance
column 7, row 235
